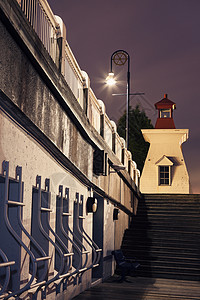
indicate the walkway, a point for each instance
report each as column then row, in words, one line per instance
column 141, row 288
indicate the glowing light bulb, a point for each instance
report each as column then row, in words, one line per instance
column 110, row 79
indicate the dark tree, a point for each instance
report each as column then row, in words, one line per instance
column 137, row 146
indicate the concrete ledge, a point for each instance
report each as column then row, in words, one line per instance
column 18, row 117
column 21, row 31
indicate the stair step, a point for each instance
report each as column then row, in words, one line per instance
column 177, row 228
column 171, row 268
column 174, row 197
column 158, row 235
column 168, row 275
column 174, row 270
column 160, row 245
column 159, row 214
column 169, row 205
column 143, row 254
column 182, row 243
column 162, row 236
column 169, row 201
column 171, row 261
column 162, row 252
column 180, row 261
column 164, row 225
column 160, row 231
column 165, row 236
column 158, row 238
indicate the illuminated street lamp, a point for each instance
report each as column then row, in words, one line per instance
column 120, row 57
column 110, row 79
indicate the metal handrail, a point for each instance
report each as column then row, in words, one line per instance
column 96, row 248
column 44, row 233
column 5, row 167
column 66, row 254
column 60, row 219
column 81, row 246
column 6, row 264
column 85, row 236
column 63, row 234
column 44, row 256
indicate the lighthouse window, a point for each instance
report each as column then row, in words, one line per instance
column 165, row 113
column 164, row 172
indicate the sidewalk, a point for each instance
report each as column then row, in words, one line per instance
column 142, row 288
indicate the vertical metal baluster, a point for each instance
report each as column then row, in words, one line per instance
column 95, row 248
column 34, row 14
column 49, row 37
column 43, row 27
column 31, row 12
column 25, row 7
column 5, row 167
column 7, row 276
column 39, row 22
column 28, row 10
column 45, row 32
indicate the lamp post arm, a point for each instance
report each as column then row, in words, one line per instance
column 127, row 92
column 123, row 51
column 128, row 104
column 111, row 59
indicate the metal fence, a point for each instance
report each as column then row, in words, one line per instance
column 42, row 19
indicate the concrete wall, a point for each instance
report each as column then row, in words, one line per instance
column 44, row 129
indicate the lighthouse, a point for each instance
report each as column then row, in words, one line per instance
column 165, row 169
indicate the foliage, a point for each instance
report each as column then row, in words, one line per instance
column 137, row 146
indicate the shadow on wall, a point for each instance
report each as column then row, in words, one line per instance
column 107, row 265
column 141, row 241
column 137, row 243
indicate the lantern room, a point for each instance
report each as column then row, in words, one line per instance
column 165, row 109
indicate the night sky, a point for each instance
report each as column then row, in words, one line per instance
column 163, row 41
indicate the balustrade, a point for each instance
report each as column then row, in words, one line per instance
column 51, row 30
column 55, row 253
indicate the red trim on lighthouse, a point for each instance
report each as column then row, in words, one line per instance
column 161, row 106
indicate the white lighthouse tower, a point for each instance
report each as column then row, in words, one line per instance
column 164, row 169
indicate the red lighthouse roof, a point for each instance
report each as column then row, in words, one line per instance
column 165, row 103
column 165, row 109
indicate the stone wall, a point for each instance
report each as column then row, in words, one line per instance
column 45, row 131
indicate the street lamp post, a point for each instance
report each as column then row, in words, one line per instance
column 120, row 57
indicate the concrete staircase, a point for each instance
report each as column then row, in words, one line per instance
column 165, row 236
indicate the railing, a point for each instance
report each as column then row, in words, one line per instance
column 127, row 158
column 94, row 111
column 44, row 244
column 73, row 74
column 43, row 21
column 51, row 30
column 6, row 265
column 120, row 144
column 108, row 130
column 133, row 170
column 11, row 230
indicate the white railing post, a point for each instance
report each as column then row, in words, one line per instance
column 61, row 40
column 86, row 88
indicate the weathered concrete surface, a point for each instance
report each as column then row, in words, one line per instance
column 44, row 130
column 45, row 99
